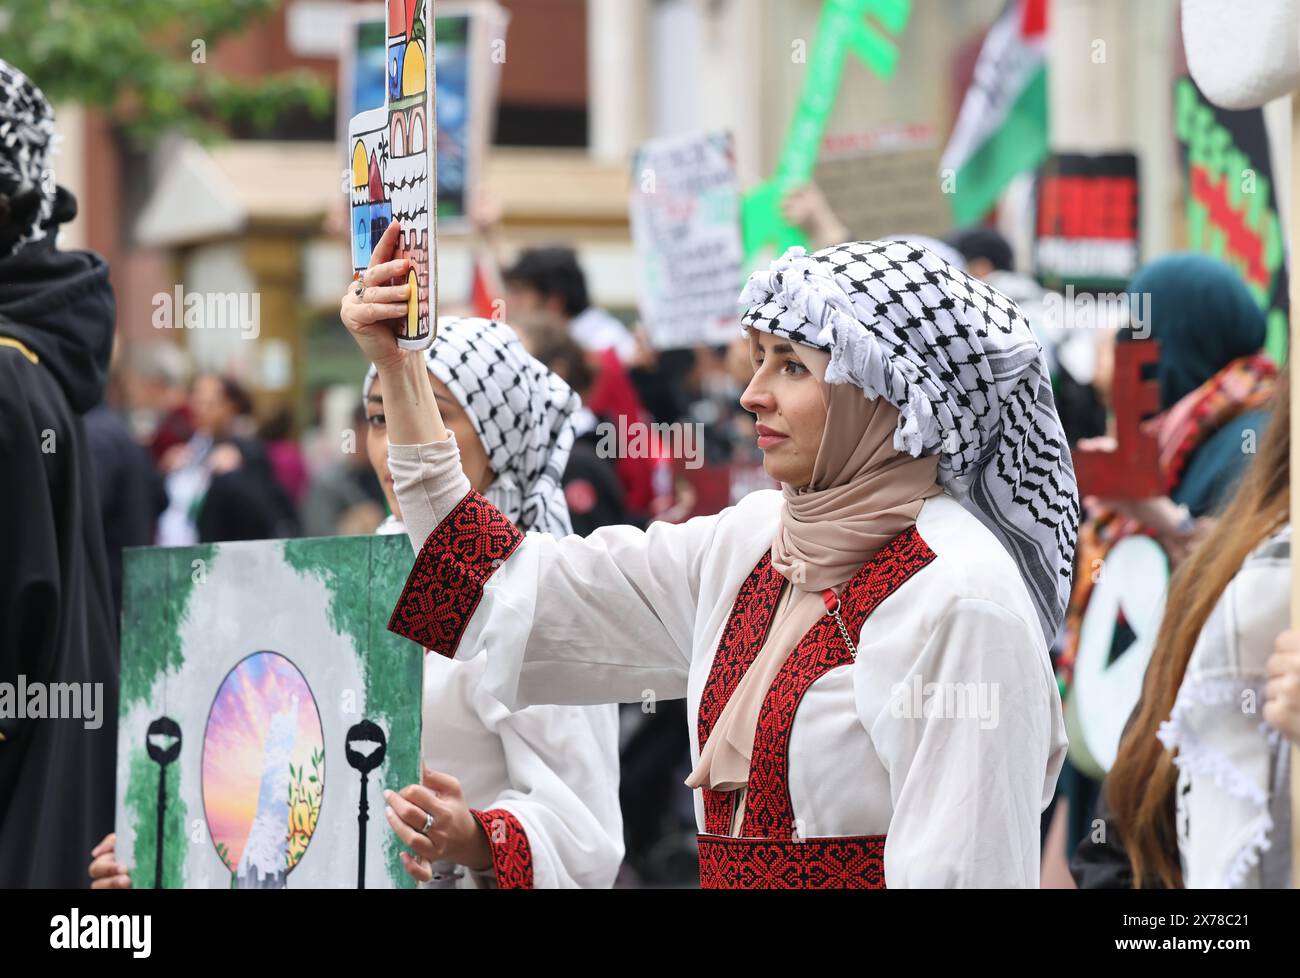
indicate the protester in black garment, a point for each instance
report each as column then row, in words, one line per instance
column 56, row 608
column 246, row 503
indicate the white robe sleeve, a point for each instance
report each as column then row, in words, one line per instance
column 602, row 619
column 970, row 757
column 1232, row 795
column 562, row 765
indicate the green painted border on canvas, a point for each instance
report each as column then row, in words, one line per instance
column 393, row 665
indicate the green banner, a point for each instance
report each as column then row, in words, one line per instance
column 842, row 29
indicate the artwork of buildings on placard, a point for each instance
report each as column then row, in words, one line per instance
column 392, row 165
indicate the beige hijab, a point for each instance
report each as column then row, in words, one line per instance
column 862, row 494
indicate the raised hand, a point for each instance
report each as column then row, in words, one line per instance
column 374, row 309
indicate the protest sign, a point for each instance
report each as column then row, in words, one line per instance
column 685, row 214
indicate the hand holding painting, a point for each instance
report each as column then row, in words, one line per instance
column 395, row 172
column 106, row 873
column 435, row 821
column 372, row 318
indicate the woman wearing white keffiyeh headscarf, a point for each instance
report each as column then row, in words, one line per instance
column 960, row 362
column 864, row 652
column 520, row 411
column 529, row 798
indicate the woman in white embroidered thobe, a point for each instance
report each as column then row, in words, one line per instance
column 531, row 796
column 529, row 799
column 863, row 653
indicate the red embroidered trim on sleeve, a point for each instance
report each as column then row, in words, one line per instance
column 446, row 584
column 512, row 856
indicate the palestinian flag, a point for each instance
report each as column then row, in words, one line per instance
column 1001, row 130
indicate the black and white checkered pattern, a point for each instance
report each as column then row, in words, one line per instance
column 521, row 411
column 959, row 361
column 26, row 134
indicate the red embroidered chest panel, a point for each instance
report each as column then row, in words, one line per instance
column 767, row 853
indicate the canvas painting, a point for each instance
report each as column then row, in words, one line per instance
column 264, row 708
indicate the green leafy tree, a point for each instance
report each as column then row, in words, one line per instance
column 149, row 63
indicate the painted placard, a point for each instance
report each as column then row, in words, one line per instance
column 469, row 50
column 264, row 708
column 685, row 215
column 394, row 150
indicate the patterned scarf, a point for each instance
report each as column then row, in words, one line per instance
column 26, row 135
column 521, row 411
column 959, row 361
column 1244, row 385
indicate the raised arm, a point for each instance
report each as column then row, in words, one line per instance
column 602, row 619
column 372, row 310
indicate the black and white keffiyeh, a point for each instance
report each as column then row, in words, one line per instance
column 26, row 135
column 959, row 361
column 522, row 412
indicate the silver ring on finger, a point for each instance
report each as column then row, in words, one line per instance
column 428, row 824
